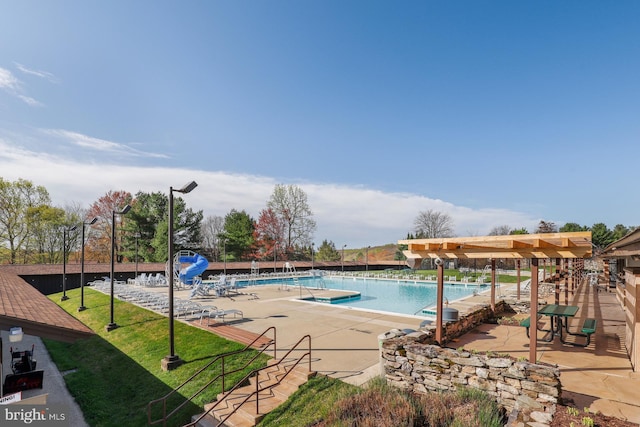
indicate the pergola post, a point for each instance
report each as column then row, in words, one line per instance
column 566, row 281
column 533, row 312
column 556, row 279
column 518, row 279
column 493, row 285
column 439, row 299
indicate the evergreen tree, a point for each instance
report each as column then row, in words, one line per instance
column 238, row 233
column 328, row 252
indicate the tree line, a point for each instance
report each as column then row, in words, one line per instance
column 33, row 230
column 434, row 224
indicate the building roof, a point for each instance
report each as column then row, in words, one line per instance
column 23, row 305
column 628, row 246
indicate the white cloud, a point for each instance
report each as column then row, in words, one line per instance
column 350, row 215
column 30, row 101
column 11, row 85
column 98, row 144
column 8, row 81
column 38, row 73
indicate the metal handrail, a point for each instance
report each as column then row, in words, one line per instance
column 306, row 288
column 222, row 375
column 258, row 390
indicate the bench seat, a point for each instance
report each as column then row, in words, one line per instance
column 588, row 328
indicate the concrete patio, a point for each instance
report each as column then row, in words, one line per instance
column 345, row 340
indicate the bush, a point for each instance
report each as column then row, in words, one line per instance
column 382, row 405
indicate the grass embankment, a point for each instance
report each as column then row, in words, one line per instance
column 114, row 375
column 324, row 402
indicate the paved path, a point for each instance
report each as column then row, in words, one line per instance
column 53, row 385
column 599, row 376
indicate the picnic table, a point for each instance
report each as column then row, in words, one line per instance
column 559, row 314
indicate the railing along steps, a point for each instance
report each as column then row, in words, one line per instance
column 273, row 396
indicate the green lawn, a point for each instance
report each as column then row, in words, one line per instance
column 114, row 375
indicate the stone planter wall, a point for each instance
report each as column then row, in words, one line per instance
column 452, row 330
column 413, row 361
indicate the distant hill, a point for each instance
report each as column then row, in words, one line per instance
column 376, row 253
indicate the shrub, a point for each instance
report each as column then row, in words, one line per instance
column 382, row 405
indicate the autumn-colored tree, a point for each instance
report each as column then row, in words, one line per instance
column 99, row 245
column 267, row 236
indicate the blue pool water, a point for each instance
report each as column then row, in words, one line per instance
column 403, row 297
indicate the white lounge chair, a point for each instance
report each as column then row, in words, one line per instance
column 217, row 313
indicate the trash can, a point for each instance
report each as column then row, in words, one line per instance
column 449, row 314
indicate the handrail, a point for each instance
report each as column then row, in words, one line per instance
column 307, row 289
column 221, row 358
column 258, row 390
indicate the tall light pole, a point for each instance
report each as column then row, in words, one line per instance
column 275, row 249
column 224, row 252
column 84, row 224
column 112, row 324
column 367, row 267
column 137, row 236
column 64, row 261
column 172, row 361
column 343, row 246
column 313, row 250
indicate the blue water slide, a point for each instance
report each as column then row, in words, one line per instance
column 198, row 265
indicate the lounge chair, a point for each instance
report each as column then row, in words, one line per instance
column 217, row 313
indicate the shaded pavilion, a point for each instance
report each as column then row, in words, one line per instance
column 572, row 247
column 624, row 253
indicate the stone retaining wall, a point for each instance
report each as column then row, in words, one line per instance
column 412, row 360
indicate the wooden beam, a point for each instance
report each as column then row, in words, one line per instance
column 518, row 244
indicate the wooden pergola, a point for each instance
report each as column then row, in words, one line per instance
column 556, row 246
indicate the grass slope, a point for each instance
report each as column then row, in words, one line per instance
column 114, row 375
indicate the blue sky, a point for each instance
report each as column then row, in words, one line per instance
column 497, row 112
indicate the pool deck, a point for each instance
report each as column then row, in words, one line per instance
column 345, row 341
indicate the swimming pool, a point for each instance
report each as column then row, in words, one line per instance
column 396, row 296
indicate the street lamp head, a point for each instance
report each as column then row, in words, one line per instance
column 72, row 228
column 124, row 210
column 187, row 188
column 93, row 221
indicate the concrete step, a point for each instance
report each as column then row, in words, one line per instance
column 271, row 375
column 246, row 415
